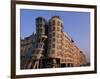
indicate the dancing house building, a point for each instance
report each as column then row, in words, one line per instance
column 50, row 47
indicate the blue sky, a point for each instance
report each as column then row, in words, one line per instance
column 76, row 24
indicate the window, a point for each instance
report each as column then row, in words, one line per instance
column 59, row 47
column 49, row 40
column 58, row 28
column 54, row 34
column 49, row 46
column 50, row 29
column 49, row 35
column 58, row 23
column 62, row 30
column 71, row 65
column 58, row 53
column 54, row 28
column 53, row 51
column 58, row 35
column 53, row 40
column 58, row 41
column 68, row 65
column 41, row 24
column 53, row 22
column 66, row 45
column 40, row 30
column 53, row 45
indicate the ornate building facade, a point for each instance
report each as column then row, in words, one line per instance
column 50, row 47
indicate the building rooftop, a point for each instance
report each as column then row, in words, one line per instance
column 56, row 17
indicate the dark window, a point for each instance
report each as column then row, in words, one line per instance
column 49, row 40
column 53, row 39
column 49, row 23
column 53, row 22
column 71, row 65
column 50, row 29
column 42, row 24
column 54, row 28
column 63, row 65
column 68, row 65
column 53, row 45
column 49, row 46
column 49, row 35
column 54, row 34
